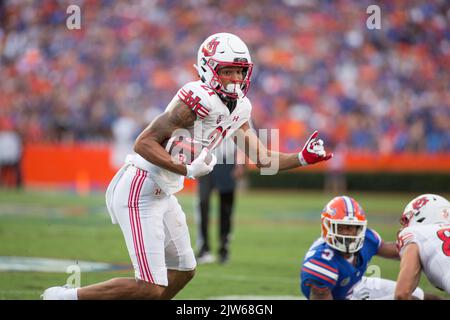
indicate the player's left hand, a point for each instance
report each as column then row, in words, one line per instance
column 313, row 151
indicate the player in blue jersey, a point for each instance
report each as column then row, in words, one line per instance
column 335, row 264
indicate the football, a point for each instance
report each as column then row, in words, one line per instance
column 185, row 149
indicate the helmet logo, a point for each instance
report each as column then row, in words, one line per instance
column 209, row 49
column 345, row 282
column 419, row 203
column 330, row 210
column 445, row 213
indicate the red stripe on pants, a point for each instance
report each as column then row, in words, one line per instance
column 133, row 203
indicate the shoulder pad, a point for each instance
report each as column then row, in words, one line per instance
column 321, row 269
column 195, row 97
column 373, row 236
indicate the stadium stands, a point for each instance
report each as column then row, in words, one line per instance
column 316, row 64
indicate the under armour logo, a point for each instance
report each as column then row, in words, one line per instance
column 157, row 191
column 236, row 118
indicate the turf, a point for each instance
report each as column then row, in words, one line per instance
column 272, row 232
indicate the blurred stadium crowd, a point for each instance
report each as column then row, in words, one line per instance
column 317, row 66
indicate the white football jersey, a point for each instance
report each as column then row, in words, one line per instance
column 214, row 123
column 434, row 249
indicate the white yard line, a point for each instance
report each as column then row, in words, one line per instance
column 250, row 297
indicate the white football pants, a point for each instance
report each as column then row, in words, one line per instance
column 153, row 224
column 373, row 288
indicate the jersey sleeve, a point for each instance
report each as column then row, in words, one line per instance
column 248, row 108
column 374, row 239
column 195, row 97
column 318, row 272
column 405, row 237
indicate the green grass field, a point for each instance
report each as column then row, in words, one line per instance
column 272, row 232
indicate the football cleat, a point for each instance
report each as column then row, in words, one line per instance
column 205, row 258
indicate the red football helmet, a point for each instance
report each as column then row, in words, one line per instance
column 344, row 224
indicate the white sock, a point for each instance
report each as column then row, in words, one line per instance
column 70, row 294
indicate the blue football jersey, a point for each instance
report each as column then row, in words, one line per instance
column 325, row 267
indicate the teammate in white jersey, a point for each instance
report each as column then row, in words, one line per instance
column 140, row 198
column 424, row 244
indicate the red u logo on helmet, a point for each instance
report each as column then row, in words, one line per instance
column 210, row 48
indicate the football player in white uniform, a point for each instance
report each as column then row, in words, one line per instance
column 424, row 244
column 140, row 198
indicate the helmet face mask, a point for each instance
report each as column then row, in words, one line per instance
column 236, row 88
column 345, row 242
column 224, row 50
column 426, row 209
column 344, row 225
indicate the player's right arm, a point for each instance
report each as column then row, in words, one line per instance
column 149, row 143
column 410, row 268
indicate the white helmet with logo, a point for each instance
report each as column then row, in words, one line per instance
column 224, row 50
column 426, row 209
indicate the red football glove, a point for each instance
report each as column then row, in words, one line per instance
column 313, row 151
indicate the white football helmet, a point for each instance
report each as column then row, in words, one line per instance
column 221, row 50
column 426, row 209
